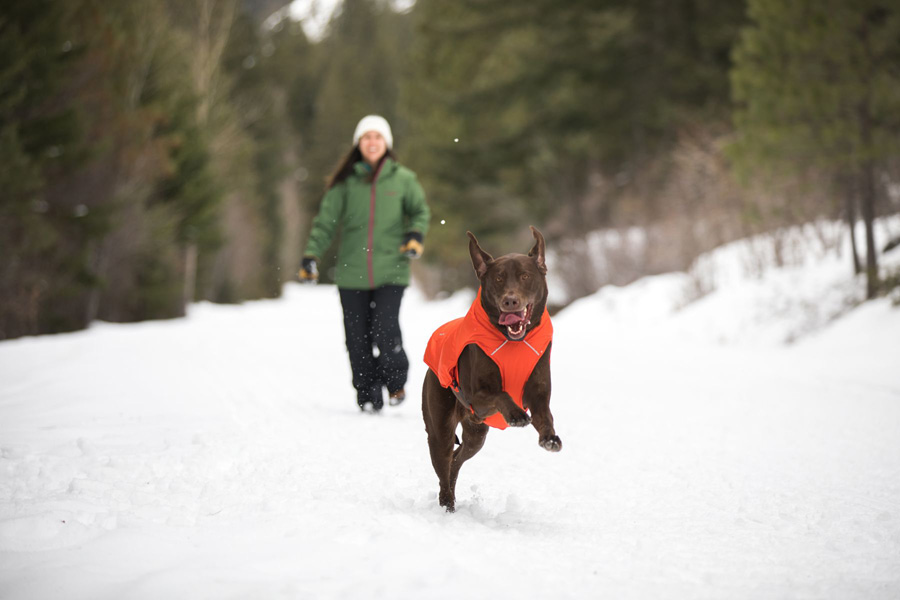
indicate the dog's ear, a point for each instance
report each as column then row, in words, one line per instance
column 480, row 258
column 537, row 252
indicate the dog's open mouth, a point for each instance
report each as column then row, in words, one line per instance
column 516, row 322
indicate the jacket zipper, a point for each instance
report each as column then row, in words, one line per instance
column 371, row 241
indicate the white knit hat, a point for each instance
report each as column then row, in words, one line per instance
column 374, row 123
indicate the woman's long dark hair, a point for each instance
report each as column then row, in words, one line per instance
column 345, row 167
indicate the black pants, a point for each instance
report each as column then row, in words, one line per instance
column 372, row 319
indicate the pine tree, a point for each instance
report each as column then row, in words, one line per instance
column 121, row 148
column 41, row 137
column 254, row 92
column 815, row 83
column 548, row 97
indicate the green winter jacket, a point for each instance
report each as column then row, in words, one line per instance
column 374, row 218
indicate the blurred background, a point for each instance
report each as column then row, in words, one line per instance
column 161, row 152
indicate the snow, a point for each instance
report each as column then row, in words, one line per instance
column 704, row 456
column 315, row 15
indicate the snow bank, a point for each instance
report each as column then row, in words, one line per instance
column 737, row 296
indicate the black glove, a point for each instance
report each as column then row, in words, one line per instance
column 412, row 245
column 308, row 271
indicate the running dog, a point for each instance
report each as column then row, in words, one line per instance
column 489, row 368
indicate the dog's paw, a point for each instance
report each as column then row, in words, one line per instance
column 518, row 419
column 551, row 443
column 448, row 501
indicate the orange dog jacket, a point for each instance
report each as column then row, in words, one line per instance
column 516, row 360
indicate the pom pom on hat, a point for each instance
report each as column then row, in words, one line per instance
column 374, row 123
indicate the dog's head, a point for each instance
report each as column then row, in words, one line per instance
column 513, row 286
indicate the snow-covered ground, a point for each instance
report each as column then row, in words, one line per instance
column 222, row 455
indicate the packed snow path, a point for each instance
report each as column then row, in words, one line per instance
column 223, row 456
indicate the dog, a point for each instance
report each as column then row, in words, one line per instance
column 489, row 368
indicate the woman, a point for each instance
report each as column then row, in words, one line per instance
column 381, row 210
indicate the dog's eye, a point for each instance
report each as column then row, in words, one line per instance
column 499, row 278
column 525, row 276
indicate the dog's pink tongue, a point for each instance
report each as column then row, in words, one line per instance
column 511, row 318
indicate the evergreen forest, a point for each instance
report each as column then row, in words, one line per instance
column 162, row 152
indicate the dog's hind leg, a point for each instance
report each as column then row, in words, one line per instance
column 439, row 412
column 472, row 441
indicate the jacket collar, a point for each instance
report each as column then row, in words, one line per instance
column 363, row 169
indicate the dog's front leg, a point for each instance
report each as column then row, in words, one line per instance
column 536, row 397
column 486, row 403
column 482, row 386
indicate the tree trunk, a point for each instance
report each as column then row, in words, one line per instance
column 190, row 275
column 867, row 171
column 97, row 264
column 867, row 202
column 850, row 195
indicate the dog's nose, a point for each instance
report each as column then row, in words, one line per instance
column 510, row 303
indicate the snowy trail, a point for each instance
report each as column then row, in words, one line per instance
column 222, row 456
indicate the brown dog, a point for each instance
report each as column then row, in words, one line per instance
column 489, row 367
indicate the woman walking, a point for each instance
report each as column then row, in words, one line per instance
column 380, row 208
